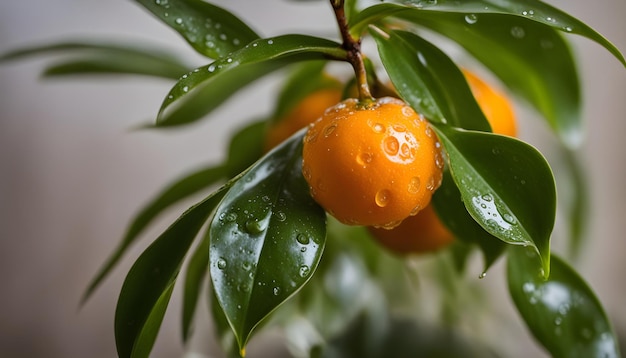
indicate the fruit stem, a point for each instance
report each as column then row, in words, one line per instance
column 353, row 49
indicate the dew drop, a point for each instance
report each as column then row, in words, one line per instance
column 414, row 185
column 391, row 145
column 236, row 42
column 487, row 197
column 382, row 198
column 363, row 159
column 186, row 89
column 430, row 186
column 408, row 111
column 416, row 210
column 223, row 37
column 230, row 217
column 495, row 150
column 246, row 266
column 471, row 19
column 304, row 271
column 221, row 263
column 270, row 42
column 306, row 172
column 379, row 128
column 568, row 29
column 253, row 226
column 302, row 239
column 276, row 291
column 281, row 216
column 329, row 130
column 482, row 275
column 178, row 21
column 557, row 321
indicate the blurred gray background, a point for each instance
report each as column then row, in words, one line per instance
column 73, row 173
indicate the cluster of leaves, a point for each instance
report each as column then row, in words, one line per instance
column 265, row 235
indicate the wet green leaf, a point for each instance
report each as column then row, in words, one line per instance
column 506, row 185
column 267, row 237
column 562, row 313
column 196, row 272
column 182, row 188
column 533, row 60
column 93, row 57
column 428, row 80
column 149, row 283
column 223, row 331
column 209, row 29
column 531, row 10
column 199, row 92
column 448, row 204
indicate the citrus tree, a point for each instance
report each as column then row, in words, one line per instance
column 370, row 159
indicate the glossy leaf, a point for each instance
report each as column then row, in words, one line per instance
column 533, row 60
column 223, row 332
column 149, row 283
column 506, row 186
column 448, row 204
column 209, row 29
column 182, row 188
column 562, row 313
column 532, row 10
column 92, row 57
column 267, row 237
column 196, row 272
column 428, row 80
column 199, row 92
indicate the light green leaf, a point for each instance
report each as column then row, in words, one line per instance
column 94, row 57
column 267, row 237
column 209, row 29
column 148, row 285
column 562, row 313
column 182, row 188
column 506, row 185
column 428, row 80
column 199, row 92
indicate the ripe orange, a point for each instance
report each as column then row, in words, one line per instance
column 425, row 232
column 494, row 104
column 372, row 164
column 304, row 113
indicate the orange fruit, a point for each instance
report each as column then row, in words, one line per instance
column 425, row 232
column 494, row 104
column 303, row 114
column 372, row 164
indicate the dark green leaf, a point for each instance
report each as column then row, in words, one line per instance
column 196, row 272
column 506, row 186
column 448, row 204
column 246, row 147
column 267, row 237
column 202, row 90
column 224, row 333
column 562, row 312
column 533, row 60
column 91, row 57
column 149, row 283
column 579, row 206
column 428, row 80
column 181, row 189
column 209, row 29
column 532, row 10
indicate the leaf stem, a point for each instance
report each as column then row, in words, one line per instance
column 353, row 50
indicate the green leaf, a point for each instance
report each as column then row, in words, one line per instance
column 506, row 185
column 562, row 313
column 199, row 92
column 448, row 204
column 92, row 57
column 532, row 10
column 149, row 283
column 182, row 188
column 533, row 60
column 223, row 332
column 209, row 29
column 578, row 213
column 428, row 80
column 267, row 237
column 196, row 272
